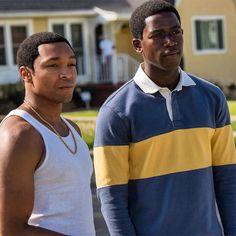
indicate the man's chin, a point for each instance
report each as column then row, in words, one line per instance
column 65, row 99
column 171, row 64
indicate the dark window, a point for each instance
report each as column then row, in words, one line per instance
column 209, row 34
column 59, row 29
column 77, row 43
column 18, row 34
column 2, row 47
column 76, row 40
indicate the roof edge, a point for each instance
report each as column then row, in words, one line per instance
column 111, row 15
column 24, row 14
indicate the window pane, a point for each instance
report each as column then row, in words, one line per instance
column 212, row 34
column 2, row 47
column 209, row 34
column 2, row 56
column 198, row 34
column 18, row 34
column 220, row 34
column 1, row 36
column 59, row 29
column 77, row 43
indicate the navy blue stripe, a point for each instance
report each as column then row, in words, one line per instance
column 134, row 116
column 225, row 187
column 181, row 204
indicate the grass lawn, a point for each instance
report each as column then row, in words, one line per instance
column 82, row 113
column 87, row 126
column 234, row 125
column 87, row 130
column 232, row 108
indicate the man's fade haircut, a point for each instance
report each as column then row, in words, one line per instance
column 149, row 8
column 28, row 49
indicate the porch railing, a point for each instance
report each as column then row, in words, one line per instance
column 116, row 69
column 126, row 67
column 104, row 69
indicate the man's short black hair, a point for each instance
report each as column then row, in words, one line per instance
column 149, row 8
column 28, row 50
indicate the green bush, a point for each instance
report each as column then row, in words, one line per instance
column 11, row 96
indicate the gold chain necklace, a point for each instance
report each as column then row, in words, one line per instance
column 29, row 105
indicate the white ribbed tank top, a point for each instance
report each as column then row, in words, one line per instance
column 63, row 199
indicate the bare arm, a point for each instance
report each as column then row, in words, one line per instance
column 21, row 149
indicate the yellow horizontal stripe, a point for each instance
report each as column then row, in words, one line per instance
column 223, row 146
column 177, row 151
column 111, row 165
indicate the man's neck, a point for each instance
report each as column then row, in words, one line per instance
column 163, row 78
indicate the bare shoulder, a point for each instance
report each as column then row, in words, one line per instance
column 76, row 127
column 21, row 149
column 20, row 139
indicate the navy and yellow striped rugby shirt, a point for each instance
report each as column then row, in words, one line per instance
column 159, row 177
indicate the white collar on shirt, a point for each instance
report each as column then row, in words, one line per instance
column 148, row 86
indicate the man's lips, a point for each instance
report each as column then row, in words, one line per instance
column 66, row 87
column 171, row 52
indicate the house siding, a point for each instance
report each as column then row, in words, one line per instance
column 40, row 24
column 216, row 67
column 124, row 44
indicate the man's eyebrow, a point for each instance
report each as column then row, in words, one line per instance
column 155, row 30
column 58, row 58
column 172, row 27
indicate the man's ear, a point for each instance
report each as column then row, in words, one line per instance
column 26, row 74
column 137, row 45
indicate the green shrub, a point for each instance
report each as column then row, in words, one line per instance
column 11, row 96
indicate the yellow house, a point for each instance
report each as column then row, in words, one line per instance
column 82, row 23
column 209, row 35
column 209, row 39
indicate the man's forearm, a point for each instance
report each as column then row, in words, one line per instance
column 114, row 201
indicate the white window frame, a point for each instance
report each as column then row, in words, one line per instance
column 208, row 51
column 67, row 23
column 7, row 24
column 177, row 3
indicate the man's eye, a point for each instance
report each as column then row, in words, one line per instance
column 177, row 31
column 52, row 65
column 72, row 65
column 157, row 35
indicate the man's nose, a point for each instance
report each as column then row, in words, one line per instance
column 169, row 40
column 65, row 72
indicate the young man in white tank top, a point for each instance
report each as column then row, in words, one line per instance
column 45, row 166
